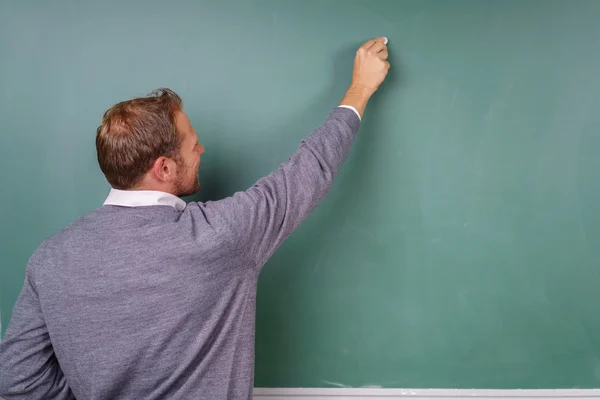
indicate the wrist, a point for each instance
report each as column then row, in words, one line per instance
column 361, row 90
column 357, row 96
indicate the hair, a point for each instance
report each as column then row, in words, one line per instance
column 134, row 133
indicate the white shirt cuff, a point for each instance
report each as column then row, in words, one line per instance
column 351, row 108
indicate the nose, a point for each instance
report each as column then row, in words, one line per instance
column 202, row 149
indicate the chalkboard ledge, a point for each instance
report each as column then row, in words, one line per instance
column 375, row 393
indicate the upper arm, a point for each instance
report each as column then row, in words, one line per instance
column 29, row 368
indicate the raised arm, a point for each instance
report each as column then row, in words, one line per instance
column 262, row 217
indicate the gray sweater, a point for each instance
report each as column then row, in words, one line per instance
column 153, row 303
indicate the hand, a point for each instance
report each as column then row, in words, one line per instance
column 370, row 65
column 370, row 69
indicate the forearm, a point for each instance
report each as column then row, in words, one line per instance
column 289, row 194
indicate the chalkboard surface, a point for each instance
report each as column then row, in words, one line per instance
column 460, row 246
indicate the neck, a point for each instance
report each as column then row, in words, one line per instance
column 156, row 187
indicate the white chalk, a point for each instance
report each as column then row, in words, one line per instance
column 385, row 41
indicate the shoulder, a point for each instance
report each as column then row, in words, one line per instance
column 67, row 236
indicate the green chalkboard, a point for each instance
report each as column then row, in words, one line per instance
column 460, row 246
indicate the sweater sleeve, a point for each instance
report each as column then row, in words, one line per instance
column 28, row 366
column 259, row 219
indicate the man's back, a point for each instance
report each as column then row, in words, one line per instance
column 148, row 301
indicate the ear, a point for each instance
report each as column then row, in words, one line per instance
column 164, row 169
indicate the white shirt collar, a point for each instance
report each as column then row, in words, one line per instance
column 141, row 198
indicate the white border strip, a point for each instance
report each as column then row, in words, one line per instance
column 421, row 394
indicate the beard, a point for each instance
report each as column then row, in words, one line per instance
column 187, row 187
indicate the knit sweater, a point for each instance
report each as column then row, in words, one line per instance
column 154, row 303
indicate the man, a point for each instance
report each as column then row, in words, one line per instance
column 150, row 298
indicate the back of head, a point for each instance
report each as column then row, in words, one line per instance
column 136, row 132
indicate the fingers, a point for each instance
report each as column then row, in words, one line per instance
column 378, row 46
column 368, row 44
column 375, row 41
column 383, row 54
